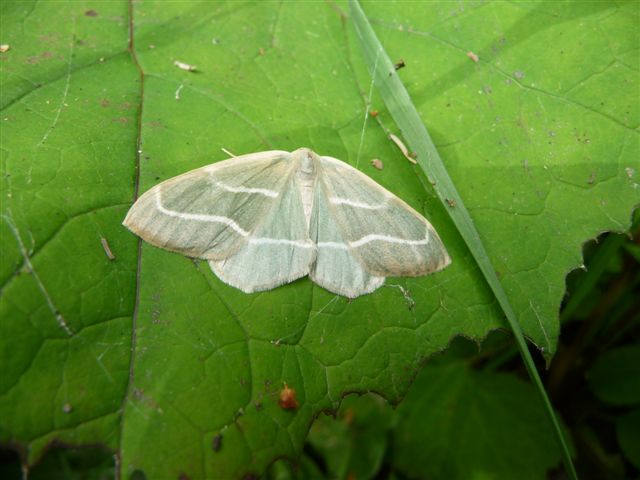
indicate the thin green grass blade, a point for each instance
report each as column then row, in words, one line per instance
column 415, row 134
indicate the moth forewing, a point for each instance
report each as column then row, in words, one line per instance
column 387, row 236
column 414, row 249
column 211, row 212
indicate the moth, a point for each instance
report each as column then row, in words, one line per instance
column 265, row 219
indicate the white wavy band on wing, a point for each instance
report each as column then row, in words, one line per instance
column 356, row 204
column 371, row 238
column 281, row 241
column 261, row 191
column 199, row 217
column 385, row 238
column 336, row 245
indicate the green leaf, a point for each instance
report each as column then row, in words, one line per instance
column 628, row 430
column 353, row 445
column 615, row 376
column 284, row 470
column 458, row 423
column 455, row 422
column 523, row 163
column 74, row 464
column 163, row 358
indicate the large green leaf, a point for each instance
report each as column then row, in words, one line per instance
column 353, row 445
column 628, row 430
column 149, row 353
column 454, row 423
column 460, row 424
column 615, row 376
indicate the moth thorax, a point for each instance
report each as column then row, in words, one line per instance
column 306, row 176
column 307, row 163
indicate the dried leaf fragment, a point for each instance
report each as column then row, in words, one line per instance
column 402, row 148
column 185, row 66
column 107, row 250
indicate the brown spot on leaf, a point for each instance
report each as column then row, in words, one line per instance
column 104, row 103
column 216, row 443
column 348, row 417
column 91, row 13
column 49, row 38
column 288, row 400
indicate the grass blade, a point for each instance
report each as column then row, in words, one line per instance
column 406, row 117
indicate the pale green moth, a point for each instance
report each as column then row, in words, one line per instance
column 265, row 219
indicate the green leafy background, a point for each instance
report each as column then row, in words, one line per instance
column 453, row 423
column 540, row 137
